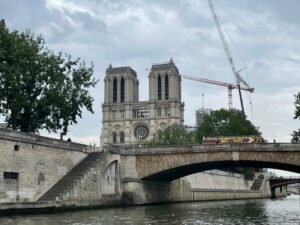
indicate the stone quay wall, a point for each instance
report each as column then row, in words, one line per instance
column 31, row 164
column 217, row 179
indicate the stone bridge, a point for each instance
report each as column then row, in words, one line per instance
column 171, row 163
column 150, row 174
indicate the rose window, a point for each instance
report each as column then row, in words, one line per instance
column 141, row 132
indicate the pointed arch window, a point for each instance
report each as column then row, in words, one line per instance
column 159, row 112
column 166, row 87
column 115, row 90
column 122, row 90
column 159, row 87
column 122, row 137
column 114, row 137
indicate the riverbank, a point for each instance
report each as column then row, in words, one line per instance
column 14, row 208
column 199, row 195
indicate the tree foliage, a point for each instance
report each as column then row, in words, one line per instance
column 173, row 135
column 296, row 133
column 296, row 136
column 40, row 89
column 225, row 123
column 228, row 123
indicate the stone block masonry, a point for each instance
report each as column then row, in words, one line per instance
column 31, row 164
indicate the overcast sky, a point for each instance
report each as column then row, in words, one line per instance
column 262, row 35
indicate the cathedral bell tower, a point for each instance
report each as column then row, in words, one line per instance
column 128, row 121
column 164, row 82
column 165, row 94
column 121, row 89
column 121, row 85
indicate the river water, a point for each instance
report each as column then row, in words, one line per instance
column 263, row 211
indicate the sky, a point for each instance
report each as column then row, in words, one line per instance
column 263, row 36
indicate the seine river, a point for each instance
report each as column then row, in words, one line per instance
column 279, row 211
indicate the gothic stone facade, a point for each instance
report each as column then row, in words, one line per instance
column 128, row 121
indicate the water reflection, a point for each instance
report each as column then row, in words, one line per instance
column 279, row 211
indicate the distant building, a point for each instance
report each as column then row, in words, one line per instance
column 190, row 128
column 128, row 121
column 200, row 113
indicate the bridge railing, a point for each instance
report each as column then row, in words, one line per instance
column 287, row 178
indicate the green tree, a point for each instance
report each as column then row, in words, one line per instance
column 225, row 123
column 296, row 133
column 228, row 123
column 40, row 89
column 173, row 135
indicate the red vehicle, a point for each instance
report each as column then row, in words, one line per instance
column 233, row 139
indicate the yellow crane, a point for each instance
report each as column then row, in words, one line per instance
column 220, row 83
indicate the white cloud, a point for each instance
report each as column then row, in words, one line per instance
column 71, row 6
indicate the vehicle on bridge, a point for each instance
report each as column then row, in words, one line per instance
column 232, row 140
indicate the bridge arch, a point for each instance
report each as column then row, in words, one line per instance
column 182, row 171
column 167, row 164
column 111, row 178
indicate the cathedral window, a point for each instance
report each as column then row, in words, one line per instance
column 122, row 137
column 122, row 90
column 114, row 137
column 166, row 87
column 141, row 132
column 167, row 112
column 113, row 114
column 159, row 87
column 122, row 112
column 158, row 112
column 115, row 90
column 140, row 111
column 134, row 113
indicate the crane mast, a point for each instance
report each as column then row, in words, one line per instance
column 227, row 52
column 220, row 83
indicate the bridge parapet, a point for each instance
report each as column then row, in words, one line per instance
column 143, row 149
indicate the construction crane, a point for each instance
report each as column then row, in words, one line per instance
column 236, row 73
column 220, row 83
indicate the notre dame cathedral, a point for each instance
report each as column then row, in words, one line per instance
column 128, row 121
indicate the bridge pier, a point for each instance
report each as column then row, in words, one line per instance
column 279, row 192
column 273, row 195
column 137, row 192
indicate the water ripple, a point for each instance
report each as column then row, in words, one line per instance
column 247, row 212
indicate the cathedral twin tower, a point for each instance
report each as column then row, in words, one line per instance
column 128, row 121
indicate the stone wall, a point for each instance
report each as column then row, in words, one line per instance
column 101, row 181
column 31, row 164
column 216, row 179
